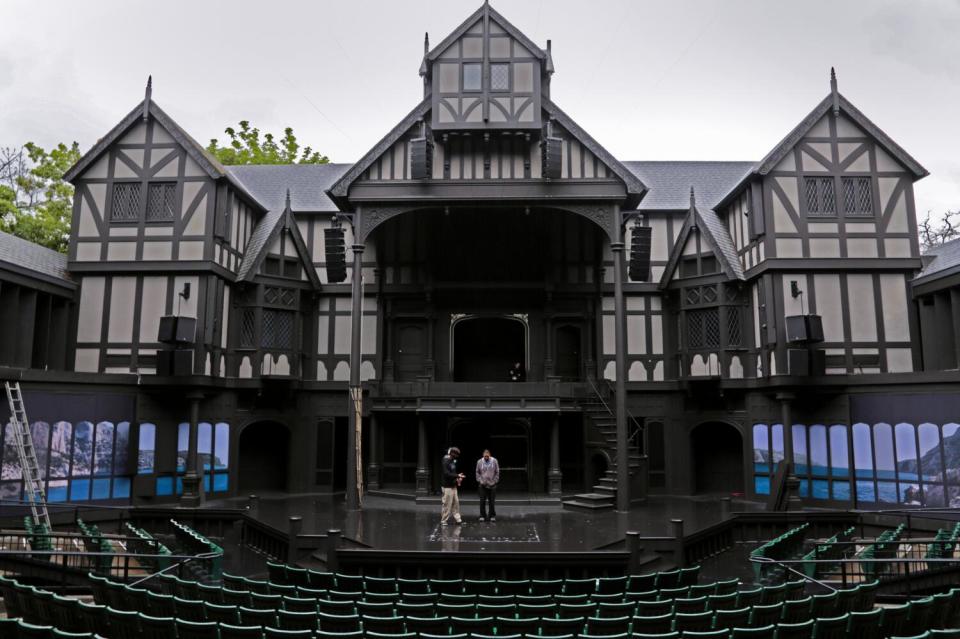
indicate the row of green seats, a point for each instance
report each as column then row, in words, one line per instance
column 945, row 543
column 38, row 537
column 197, row 544
column 147, row 544
column 827, row 550
column 95, row 542
column 779, row 548
column 883, row 547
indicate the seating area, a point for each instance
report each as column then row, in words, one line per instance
column 945, row 545
column 295, row 602
column 38, row 537
column 885, row 546
column 146, row 544
column 95, row 542
column 830, row 549
column 193, row 543
column 786, row 546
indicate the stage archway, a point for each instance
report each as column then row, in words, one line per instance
column 263, row 454
column 717, row 456
column 509, row 440
column 485, row 347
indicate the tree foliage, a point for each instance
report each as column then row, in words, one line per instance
column 247, row 147
column 936, row 233
column 35, row 202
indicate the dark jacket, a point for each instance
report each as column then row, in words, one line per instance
column 449, row 469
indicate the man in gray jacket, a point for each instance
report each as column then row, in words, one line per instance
column 488, row 476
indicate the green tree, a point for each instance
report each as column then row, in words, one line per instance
column 246, row 147
column 35, row 202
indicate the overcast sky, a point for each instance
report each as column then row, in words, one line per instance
column 683, row 80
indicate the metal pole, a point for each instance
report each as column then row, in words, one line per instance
column 623, row 462
column 423, row 471
column 554, row 474
column 354, row 468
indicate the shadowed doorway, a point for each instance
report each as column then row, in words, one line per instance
column 484, row 348
column 263, row 451
column 717, row 458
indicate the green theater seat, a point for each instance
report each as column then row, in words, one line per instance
column 389, row 624
column 196, row 629
column 722, row 633
column 517, row 625
column 831, row 627
column 651, row 625
column 229, row 631
column 802, row 630
column 698, row 621
column 26, row 630
column 864, row 625
column 729, row 619
column 157, row 627
column 761, row 632
column 470, row 624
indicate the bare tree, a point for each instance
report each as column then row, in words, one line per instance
column 936, row 233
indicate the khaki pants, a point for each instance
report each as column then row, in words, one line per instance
column 450, row 505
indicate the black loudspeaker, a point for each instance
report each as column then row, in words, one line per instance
column 804, row 329
column 552, row 157
column 818, row 362
column 640, row 238
column 421, row 158
column 798, row 362
column 168, row 329
column 336, row 255
column 186, row 330
column 174, row 363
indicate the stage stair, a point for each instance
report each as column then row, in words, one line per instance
column 598, row 411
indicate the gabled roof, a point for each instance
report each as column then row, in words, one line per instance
column 268, row 184
column 194, row 149
column 940, row 261
column 266, row 231
column 25, row 257
column 718, row 238
column 338, row 192
column 772, row 159
column 496, row 17
column 635, row 186
column 668, row 182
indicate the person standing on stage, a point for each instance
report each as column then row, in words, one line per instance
column 450, row 480
column 488, row 476
column 516, row 372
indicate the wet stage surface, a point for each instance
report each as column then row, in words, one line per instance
column 389, row 523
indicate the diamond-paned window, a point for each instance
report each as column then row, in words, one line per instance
column 160, row 201
column 693, row 295
column 703, row 328
column 279, row 296
column 709, row 294
column 277, row 330
column 499, row 77
column 857, row 196
column 734, row 332
column 821, row 198
column 248, row 327
column 126, row 202
column 695, row 329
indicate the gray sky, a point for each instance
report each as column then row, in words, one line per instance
column 683, row 80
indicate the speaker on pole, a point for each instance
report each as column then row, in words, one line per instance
column 640, row 238
column 336, row 252
column 552, row 157
column 421, row 158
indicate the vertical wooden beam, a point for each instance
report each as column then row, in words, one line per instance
column 554, row 474
column 354, row 482
column 373, row 456
column 623, row 462
column 423, row 469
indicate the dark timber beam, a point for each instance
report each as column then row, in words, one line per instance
column 354, row 466
column 192, row 479
column 423, row 470
column 373, row 456
column 620, row 317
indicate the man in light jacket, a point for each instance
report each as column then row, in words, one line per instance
column 488, row 476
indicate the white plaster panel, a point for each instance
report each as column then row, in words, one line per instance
column 609, row 335
column 342, row 304
column 794, row 305
column 610, row 371
column 636, row 335
column 860, row 165
column 341, row 335
column 690, row 246
column 863, row 321
column 821, row 227
column 90, row 314
column 136, row 135
column 87, row 360
column 121, row 170
column 899, row 360
column 367, row 371
column 88, row 251
column 134, row 155
column 898, row 217
column 844, row 149
column 190, row 190
column 123, row 231
column 323, row 335
column 634, row 302
column 152, row 307
column 88, row 224
column 158, row 230
column 321, row 372
column 789, row 247
column 169, row 170
column 658, row 372
column 656, row 334
column 886, row 186
column 121, row 251
column 523, row 76
column 821, row 129
column 246, row 370
column 191, row 250
column 368, row 335
column 862, row 247
column 782, row 222
column 788, row 163
column 225, row 317
column 847, row 129
column 159, row 251
column 660, row 242
column 636, row 373
column 885, row 162
column 893, row 293
column 341, row 373
column 811, row 165
column 860, row 228
column 829, row 305
column 198, row 221
column 825, row 247
column 160, row 135
column 289, row 249
column 823, row 148
column 898, row 247
column 192, row 169
column 99, row 168
column 736, row 368
column 123, row 299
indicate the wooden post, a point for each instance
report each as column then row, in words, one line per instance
column 423, row 469
column 634, row 548
column 354, row 469
column 678, row 555
column 554, row 474
column 333, row 542
column 294, row 526
column 373, row 456
column 620, row 317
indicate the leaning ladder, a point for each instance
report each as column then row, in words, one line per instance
column 32, row 481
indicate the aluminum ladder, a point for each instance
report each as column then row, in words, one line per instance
column 32, row 481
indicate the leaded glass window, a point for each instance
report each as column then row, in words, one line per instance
column 703, row 328
column 161, row 201
column 277, row 330
column 126, row 202
column 820, row 195
column 500, row 77
column 248, row 327
column 857, row 196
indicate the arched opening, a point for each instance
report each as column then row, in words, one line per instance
column 598, row 468
column 485, row 348
column 568, row 353
column 508, row 440
column 263, row 451
column 717, row 455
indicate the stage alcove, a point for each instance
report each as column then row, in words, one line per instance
column 486, row 347
column 509, row 440
column 263, row 451
column 717, row 454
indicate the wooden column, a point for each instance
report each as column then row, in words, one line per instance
column 193, row 477
column 623, row 461
column 373, row 455
column 554, row 474
column 423, row 469
column 354, row 481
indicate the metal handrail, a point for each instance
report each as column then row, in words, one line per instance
column 201, row 556
column 768, row 560
column 630, row 416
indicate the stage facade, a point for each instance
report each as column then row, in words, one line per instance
column 489, row 276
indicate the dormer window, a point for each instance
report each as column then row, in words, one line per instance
column 472, row 76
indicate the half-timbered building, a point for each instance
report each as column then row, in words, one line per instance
column 680, row 327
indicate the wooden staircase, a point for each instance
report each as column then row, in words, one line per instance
column 598, row 412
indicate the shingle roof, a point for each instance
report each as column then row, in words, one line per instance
column 268, row 184
column 24, row 255
column 946, row 258
column 669, row 182
column 258, row 240
column 720, row 235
